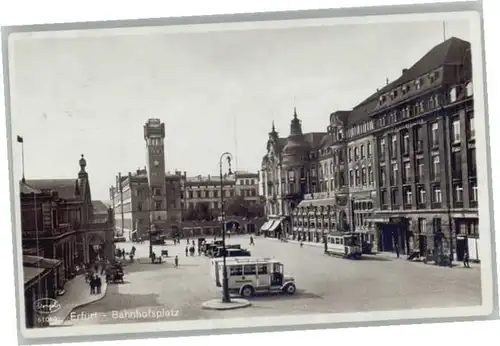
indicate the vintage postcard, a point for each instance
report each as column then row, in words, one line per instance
column 249, row 174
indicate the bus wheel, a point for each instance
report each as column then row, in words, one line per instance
column 247, row 291
column 289, row 288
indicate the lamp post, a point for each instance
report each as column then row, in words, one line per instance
column 150, row 224
column 225, row 287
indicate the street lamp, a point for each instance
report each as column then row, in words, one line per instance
column 225, row 287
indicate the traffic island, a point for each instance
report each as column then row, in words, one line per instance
column 217, row 304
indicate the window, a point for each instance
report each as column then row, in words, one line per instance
column 406, row 143
column 420, row 170
column 350, row 155
column 356, row 153
column 474, row 195
column 469, row 89
column 158, row 205
column 291, row 175
column 190, row 194
column 236, row 271
column 207, row 194
column 262, row 269
column 357, row 177
column 383, row 197
column 434, row 134
column 198, row 194
column 418, row 84
column 456, row 130
column 408, row 197
column 157, row 192
column 436, row 167
column 422, row 226
column 363, row 176
column 139, row 206
column 453, row 95
column 382, row 177
column 394, row 146
column 456, row 165
column 421, row 195
column 437, row 197
column 382, row 149
column 472, row 128
column 459, row 191
column 369, row 150
column 351, row 177
column 394, row 177
column 394, row 197
column 370, row 175
column 418, row 138
column 406, row 172
column 472, row 162
column 216, row 193
column 252, row 182
column 362, row 151
column 249, row 269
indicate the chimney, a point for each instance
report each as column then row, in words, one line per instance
column 404, row 71
column 185, row 173
column 386, row 81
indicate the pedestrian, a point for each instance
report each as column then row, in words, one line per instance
column 92, row 284
column 123, row 254
column 199, row 250
column 176, row 261
column 301, row 244
column 251, row 241
column 397, row 250
column 98, row 283
column 466, row 259
column 187, row 250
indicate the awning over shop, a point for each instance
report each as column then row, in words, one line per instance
column 266, row 225
column 275, row 225
column 40, row 262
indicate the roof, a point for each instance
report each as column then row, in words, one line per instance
column 40, row 262
column 25, row 188
column 447, row 52
column 30, row 273
column 100, row 207
column 65, row 188
column 316, row 202
column 326, row 141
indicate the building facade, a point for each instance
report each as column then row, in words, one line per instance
column 400, row 167
column 426, row 181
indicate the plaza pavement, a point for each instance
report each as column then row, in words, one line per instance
column 160, row 292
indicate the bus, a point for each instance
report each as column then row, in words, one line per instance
column 248, row 276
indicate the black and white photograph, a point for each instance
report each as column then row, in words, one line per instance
column 204, row 176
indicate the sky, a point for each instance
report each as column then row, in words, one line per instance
column 215, row 91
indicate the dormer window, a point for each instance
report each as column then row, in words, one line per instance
column 469, row 90
column 418, row 84
column 381, row 100
column 453, row 95
column 405, row 89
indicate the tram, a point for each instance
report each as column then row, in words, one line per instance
column 346, row 245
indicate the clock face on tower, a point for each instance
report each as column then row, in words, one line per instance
column 156, row 163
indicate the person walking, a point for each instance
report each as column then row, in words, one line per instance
column 466, row 259
column 176, row 261
column 251, row 241
column 187, row 250
column 123, row 254
column 98, row 284
column 92, row 284
column 397, row 250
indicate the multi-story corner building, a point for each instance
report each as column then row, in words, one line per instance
column 425, row 156
column 402, row 164
column 289, row 172
column 206, row 190
column 247, row 186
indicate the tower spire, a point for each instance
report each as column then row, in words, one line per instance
column 273, row 128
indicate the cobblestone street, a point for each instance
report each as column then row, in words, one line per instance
column 325, row 285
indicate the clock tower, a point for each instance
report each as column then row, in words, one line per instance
column 154, row 135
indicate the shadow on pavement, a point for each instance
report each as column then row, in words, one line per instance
column 375, row 258
column 299, row 294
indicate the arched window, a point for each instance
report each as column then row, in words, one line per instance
column 453, row 95
column 469, row 89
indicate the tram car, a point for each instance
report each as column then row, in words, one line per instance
column 346, row 245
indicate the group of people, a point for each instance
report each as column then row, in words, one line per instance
column 95, row 283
